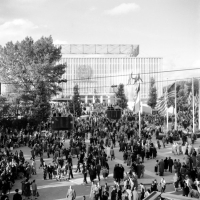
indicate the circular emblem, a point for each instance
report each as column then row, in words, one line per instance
column 84, row 72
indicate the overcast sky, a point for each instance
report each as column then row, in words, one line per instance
column 163, row 28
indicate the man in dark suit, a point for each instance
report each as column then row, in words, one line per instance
column 114, row 193
column 98, row 169
column 17, row 196
column 170, row 163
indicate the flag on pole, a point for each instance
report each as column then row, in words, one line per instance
column 137, row 102
column 161, row 105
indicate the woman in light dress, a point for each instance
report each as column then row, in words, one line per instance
column 178, row 149
column 71, row 194
column 184, row 148
column 163, row 184
column 94, row 190
column 176, row 179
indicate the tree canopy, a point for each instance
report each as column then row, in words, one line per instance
column 152, row 93
column 33, row 69
column 121, row 97
column 183, row 90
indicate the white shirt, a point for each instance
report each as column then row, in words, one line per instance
column 163, row 182
column 146, row 194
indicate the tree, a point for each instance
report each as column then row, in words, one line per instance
column 33, row 68
column 4, row 106
column 75, row 104
column 121, row 97
column 152, row 94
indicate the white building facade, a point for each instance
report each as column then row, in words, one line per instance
column 95, row 74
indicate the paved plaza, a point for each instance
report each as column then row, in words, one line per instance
column 56, row 190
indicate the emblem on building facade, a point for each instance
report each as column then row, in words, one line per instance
column 84, row 73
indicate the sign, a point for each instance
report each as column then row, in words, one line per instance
column 84, row 72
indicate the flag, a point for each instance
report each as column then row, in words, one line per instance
column 161, row 105
column 137, row 102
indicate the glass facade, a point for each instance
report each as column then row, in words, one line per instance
column 96, row 75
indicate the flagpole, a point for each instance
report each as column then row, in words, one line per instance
column 175, row 108
column 166, row 105
column 193, row 105
column 199, row 104
column 139, row 112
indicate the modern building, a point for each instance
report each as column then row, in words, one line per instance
column 96, row 68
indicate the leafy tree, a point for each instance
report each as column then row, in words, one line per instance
column 152, row 94
column 4, row 106
column 183, row 89
column 121, row 97
column 75, row 104
column 33, row 68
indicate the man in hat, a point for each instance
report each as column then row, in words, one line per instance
column 17, row 196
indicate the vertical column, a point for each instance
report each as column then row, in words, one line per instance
column 101, row 99
column 108, row 100
column 86, row 99
column 93, row 99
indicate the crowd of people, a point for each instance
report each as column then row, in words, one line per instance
column 92, row 160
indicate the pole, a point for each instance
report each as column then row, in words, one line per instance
column 199, row 104
column 193, row 105
column 139, row 112
column 175, row 107
column 166, row 106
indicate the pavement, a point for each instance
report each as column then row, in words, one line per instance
column 56, row 190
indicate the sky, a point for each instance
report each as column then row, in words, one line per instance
column 162, row 28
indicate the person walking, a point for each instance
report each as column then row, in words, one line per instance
column 84, row 171
column 71, row 194
column 161, row 167
column 34, row 189
column 176, row 182
column 170, row 164
column 70, row 170
column 17, row 196
column 163, row 184
column 114, row 193
column 98, row 170
column 34, row 167
column 112, row 153
column 135, row 195
column 27, row 189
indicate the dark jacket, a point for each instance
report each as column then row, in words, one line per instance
column 17, row 196
column 170, row 162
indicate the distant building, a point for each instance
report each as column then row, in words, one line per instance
column 95, row 68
